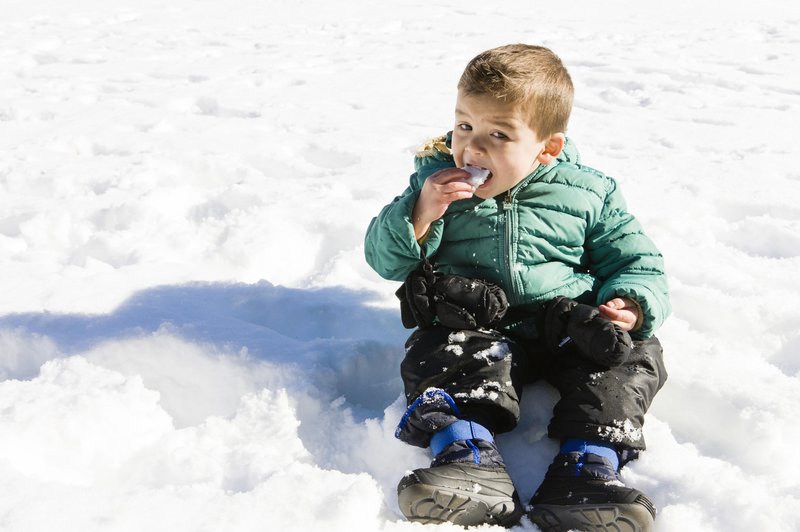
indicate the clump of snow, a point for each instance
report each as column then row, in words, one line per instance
column 619, row 431
column 457, row 337
column 190, row 338
column 497, row 351
column 455, row 349
column 488, row 390
column 453, row 339
column 477, row 175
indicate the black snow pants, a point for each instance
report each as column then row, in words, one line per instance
column 484, row 372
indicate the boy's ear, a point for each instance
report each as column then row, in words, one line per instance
column 552, row 148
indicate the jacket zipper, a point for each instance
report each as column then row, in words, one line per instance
column 508, row 204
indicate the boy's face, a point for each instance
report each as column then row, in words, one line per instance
column 495, row 136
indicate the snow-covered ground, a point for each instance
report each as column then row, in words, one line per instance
column 190, row 339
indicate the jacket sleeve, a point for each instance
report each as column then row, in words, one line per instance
column 627, row 262
column 390, row 246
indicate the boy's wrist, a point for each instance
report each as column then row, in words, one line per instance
column 422, row 226
column 421, row 238
column 639, row 314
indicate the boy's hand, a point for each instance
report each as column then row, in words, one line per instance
column 621, row 311
column 439, row 191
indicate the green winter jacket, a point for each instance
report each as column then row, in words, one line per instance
column 563, row 230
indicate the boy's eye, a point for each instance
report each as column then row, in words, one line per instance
column 499, row 135
column 465, row 127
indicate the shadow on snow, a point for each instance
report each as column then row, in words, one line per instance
column 331, row 329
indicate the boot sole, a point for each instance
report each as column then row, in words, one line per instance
column 462, row 496
column 593, row 517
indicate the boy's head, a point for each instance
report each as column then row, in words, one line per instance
column 532, row 78
column 511, row 113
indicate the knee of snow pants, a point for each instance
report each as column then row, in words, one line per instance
column 473, row 367
column 607, row 404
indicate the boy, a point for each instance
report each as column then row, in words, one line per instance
column 579, row 276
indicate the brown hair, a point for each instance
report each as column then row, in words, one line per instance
column 521, row 74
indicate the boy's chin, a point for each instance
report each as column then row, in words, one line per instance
column 487, row 193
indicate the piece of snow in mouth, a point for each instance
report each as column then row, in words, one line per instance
column 477, row 175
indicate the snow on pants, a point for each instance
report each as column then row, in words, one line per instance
column 484, row 371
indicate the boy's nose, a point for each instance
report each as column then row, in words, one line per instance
column 475, row 147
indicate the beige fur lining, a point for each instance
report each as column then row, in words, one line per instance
column 436, row 144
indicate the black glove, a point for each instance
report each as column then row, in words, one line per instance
column 415, row 295
column 595, row 337
column 464, row 303
column 456, row 301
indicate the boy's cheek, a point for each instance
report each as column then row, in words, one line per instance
column 457, row 151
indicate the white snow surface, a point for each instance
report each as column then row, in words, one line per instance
column 190, row 338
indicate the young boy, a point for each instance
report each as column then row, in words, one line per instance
column 580, row 278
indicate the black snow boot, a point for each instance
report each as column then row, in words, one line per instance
column 467, row 484
column 583, row 491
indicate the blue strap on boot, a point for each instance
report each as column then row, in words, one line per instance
column 431, row 395
column 433, row 409
column 605, row 450
column 460, row 430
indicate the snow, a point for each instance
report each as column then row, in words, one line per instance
column 496, row 351
column 190, row 338
column 620, row 431
column 477, row 175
